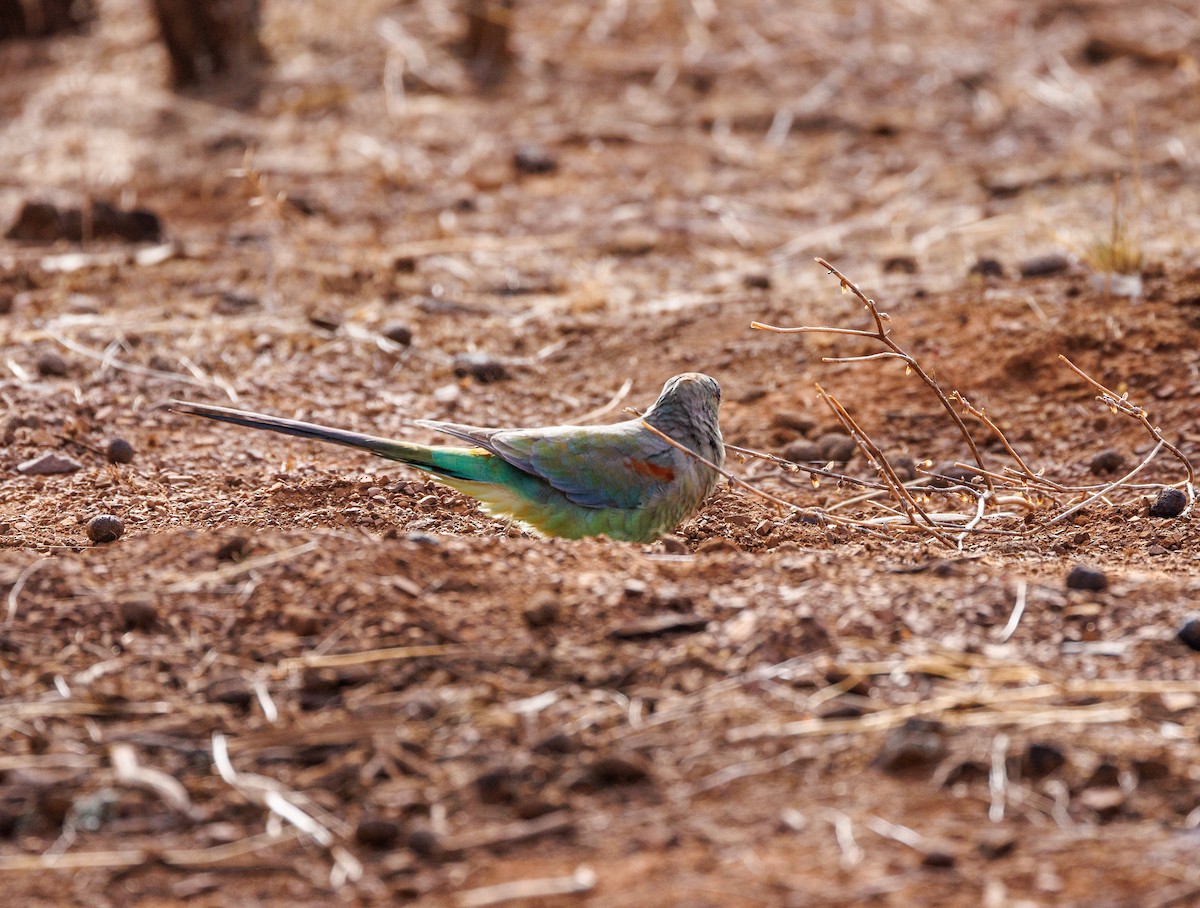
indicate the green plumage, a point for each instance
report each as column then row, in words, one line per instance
column 621, row 480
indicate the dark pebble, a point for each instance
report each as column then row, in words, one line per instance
column 756, row 281
column 533, row 159
column 105, row 528
column 986, row 267
column 423, row 842
column 916, row 743
column 399, row 334
column 1169, row 503
column 377, row 832
column 836, row 447
column 1086, row 578
column 1042, row 759
column 796, row 422
column 802, row 451
column 50, row 364
column 949, row 474
column 1107, row 462
column 900, row 264
column 1044, row 265
column 615, row 769
column 1189, row 634
column 48, row 464
column 673, row 545
column 118, row 450
column 483, row 367
column 542, row 611
column 137, row 615
column 939, row 860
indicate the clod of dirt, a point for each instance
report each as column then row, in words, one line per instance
column 1108, row 462
column 1087, row 578
column 48, row 464
column 377, row 832
column 658, row 626
column 483, row 367
column 615, row 769
column 986, row 267
column 105, row 528
column 534, row 160
column 950, row 474
column 399, row 333
column 1189, row 634
column 51, row 365
column 497, row 786
column 939, row 860
column 900, row 264
column 1044, row 265
column 137, row 615
column 41, row 222
column 717, row 546
column 673, row 545
column 802, row 451
column 1169, row 503
column 757, row 281
column 232, row 691
column 916, row 743
column 118, row 450
column 836, row 447
column 543, row 611
column 793, row 421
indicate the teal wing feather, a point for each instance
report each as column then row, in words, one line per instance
column 619, row 466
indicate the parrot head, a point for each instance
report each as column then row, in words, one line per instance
column 687, row 411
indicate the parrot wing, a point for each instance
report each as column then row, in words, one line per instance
column 616, row 466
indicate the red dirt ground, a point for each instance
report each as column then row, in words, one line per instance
column 755, row 711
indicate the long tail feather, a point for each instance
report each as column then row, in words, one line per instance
column 384, row 447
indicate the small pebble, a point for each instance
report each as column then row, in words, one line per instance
column 377, row 832
column 1107, row 462
column 1169, row 503
column 399, row 333
column 796, row 422
column 483, row 367
column 1044, row 265
column 533, row 159
column 802, row 451
column 764, row 528
column 673, row 545
column 939, row 860
column 118, row 450
column 756, row 280
column 105, row 528
column 916, row 743
column 51, row 364
column 986, row 267
column 423, row 842
column 836, row 447
column 1087, row 578
column 1189, row 634
column 542, row 611
column 137, row 615
column 48, row 465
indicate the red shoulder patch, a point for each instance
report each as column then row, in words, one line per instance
column 653, row 470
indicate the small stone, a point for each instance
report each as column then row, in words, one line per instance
column 949, row 474
column 900, row 264
column 673, row 545
column 764, row 528
column 757, row 280
column 1169, row 503
column 542, row 611
column 939, row 860
column 658, row 626
column 1041, row 759
column 533, row 159
column 399, row 333
column 1044, row 265
column 1104, row 800
column 377, row 832
column 105, row 528
column 1189, row 634
column 48, row 465
column 137, row 615
column 796, row 422
column 717, row 546
column 50, row 364
column 483, row 367
column 1107, row 462
column 986, row 267
column 424, row 842
column 836, row 447
column 118, row 450
column 916, row 743
column 1087, row 578
column 803, row 451
column 616, row 769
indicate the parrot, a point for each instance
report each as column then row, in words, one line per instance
column 620, row 480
